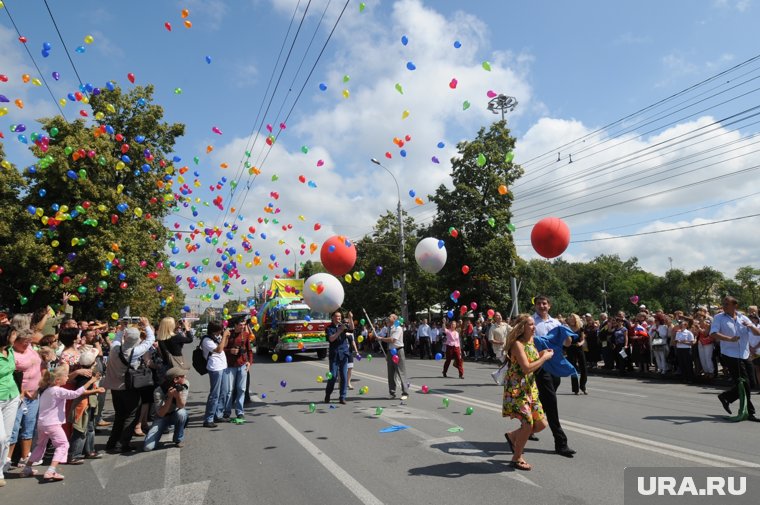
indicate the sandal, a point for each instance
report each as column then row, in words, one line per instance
column 28, row 471
column 52, row 477
column 520, row 465
column 76, row 461
column 139, row 433
column 509, row 443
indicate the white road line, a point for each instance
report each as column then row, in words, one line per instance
column 361, row 492
column 600, row 433
column 617, row 392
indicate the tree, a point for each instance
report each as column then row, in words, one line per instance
column 99, row 195
column 748, row 279
column 481, row 216
column 700, row 285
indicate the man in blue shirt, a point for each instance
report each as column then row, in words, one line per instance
column 547, row 382
column 732, row 329
column 339, row 352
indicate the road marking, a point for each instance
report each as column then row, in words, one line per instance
column 600, row 433
column 361, row 492
column 173, row 492
column 617, row 392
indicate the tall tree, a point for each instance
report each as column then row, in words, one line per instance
column 99, row 193
column 478, row 211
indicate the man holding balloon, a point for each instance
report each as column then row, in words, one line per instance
column 338, row 336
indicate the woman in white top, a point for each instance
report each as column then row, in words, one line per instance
column 216, row 362
column 685, row 340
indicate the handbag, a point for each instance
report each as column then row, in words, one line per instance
column 136, row 378
column 500, row 375
column 658, row 341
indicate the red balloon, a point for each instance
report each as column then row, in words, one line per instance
column 337, row 257
column 550, row 237
column 131, row 77
column 465, row 269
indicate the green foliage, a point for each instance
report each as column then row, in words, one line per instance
column 83, row 176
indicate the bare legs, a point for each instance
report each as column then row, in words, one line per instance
column 519, row 438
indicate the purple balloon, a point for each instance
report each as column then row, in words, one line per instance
column 56, row 76
column 4, row 99
column 434, row 159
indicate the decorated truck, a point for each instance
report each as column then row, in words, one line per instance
column 287, row 325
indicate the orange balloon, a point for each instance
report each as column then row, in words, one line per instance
column 209, row 149
column 503, row 190
column 185, row 13
column 188, row 23
column 25, row 78
column 224, row 165
column 19, row 103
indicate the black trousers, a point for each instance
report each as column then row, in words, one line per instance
column 547, row 393
column 737, row 370
column 685, row 364
column 577, row 358
column 425, row 348
column 126, row 405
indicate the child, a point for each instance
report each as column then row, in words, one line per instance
column 51, row 418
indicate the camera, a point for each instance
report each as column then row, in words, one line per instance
column 179, row 387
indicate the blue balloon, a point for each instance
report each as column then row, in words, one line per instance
column 208, row 59
column 403, row 153
column 80, row 49
column 288, row 359
column 457, row 44
column 44, row 53
column 46, row 46
column 441, row 145
column 140, row 139
column 411, row 66
column 110, row 86
column 42, row 193
column 450, row 314
column 71, row 174
column 394, row 351
column 438, row 356
column 323, row 86
column 412, row 193
column 141, row 102
column 404, row 39
column 126, row 159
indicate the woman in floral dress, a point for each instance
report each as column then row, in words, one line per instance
column 520, row 390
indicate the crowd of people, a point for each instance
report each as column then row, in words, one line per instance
column 55, row 371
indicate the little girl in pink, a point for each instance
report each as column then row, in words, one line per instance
column 51, row 418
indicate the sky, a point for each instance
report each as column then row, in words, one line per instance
column 614, row 86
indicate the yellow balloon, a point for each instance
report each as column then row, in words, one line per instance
column 102, row 208
column 405, row 114
column 62, row 102
column 360, row 339
column 120, row 166
column 3, row 111
column 120, row 187
column 55, row 243
column 347, row 278
column 64, row 209
column 275, row 357
column 99, row 116
column 88, row 39
column 74, row 241
column 320, row 379
column 138, row 212
column 110, row 256
column 110, row 108
column 346, row 93
column 115, row 316
column 44, row 220
column 357, row 277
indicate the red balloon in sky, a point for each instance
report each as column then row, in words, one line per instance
column 131, row 77
column 337, row 257
column 550, row 237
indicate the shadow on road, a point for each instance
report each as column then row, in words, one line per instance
column 458, row 469
column 677, row 420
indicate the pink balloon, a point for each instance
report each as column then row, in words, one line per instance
column 395, row 359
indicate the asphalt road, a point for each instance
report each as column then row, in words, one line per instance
column 338, row 454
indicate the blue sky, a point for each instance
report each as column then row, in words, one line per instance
column 573, row 66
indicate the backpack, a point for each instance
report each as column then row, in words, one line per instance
column 200, row 362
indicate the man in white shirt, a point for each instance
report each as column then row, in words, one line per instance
column 497, row 335
column 732, row 329
column 548, row 383
column 394, row 337
column 423, row 336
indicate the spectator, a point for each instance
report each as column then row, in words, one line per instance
column 575, row 354
column 685, row 340
column 171, row 341
column 28, row 364
column 497, row 335
column 9, row 393
column 53, row 397
column 239, row 356
column 660, row 340
column 423, row 336
column 170, row 398
column 591, row 331
column 213, row 346
column 126, row 351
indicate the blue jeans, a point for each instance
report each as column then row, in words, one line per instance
column 178, row 419
column 233, row 390
column 215, row 402
column 26, row 421
column 338, row 365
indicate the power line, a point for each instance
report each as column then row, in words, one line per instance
column 65, row 49
column 44, row 81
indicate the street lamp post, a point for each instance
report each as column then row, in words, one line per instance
column 295, row 258
column 503, row 104
column 404, row 306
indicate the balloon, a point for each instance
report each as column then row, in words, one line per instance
column 379, row 270
column 320, row 379
column 550, row 237
column 322, row 86
column 425, row 389
column 88, row 39
column 438, row 356
column 404, row 40
column 465, row 269
column 509, row 157
column 453, row 84
column 329, row 375
column 457, row 44
column 115, row 316
column 634, row 299
column 378, row 411
column 465, row 105
column 338, row 255
column 275, row 358
column 395, row 359
column 490, row 313
column 411, row 66
column 481, row 160
column 399, row 88
column 503, row 189
column 469, row 411
column 323, row 293
column 486, row 66
column 283, row 383
column 168, row 26
column 288, row 359
column 446, row 402
column 208, row 59
column 131, row 77
column 430, row 257
column 312, row 407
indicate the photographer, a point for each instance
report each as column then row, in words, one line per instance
column 170, row 399
column 338, row 335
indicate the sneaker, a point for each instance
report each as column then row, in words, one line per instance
column 404, row 396
column 342, row 401
column 209, row 425
column 179, row 445
column 52, row 477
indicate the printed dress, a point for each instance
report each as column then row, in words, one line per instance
column 521, row 393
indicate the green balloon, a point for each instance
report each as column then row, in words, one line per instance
column 68, row 150
column 446, row 402
column 82, row 289
column 23, row 300
column 378, row 411
column 469, row 411
column 491, row 222
column 304, row 149
column 486, row 66
column 33, row 288
column 465, row 105
column 312, row 407
column 53, row 131
column 509, row 157
column 481, row 160
column 329, row 375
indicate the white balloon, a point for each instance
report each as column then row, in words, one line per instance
column 429, row 256
column 323, row 293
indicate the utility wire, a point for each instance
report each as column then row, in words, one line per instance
column 64, row 44
column 44, row 81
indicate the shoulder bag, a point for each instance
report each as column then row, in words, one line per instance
column 136, row 378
